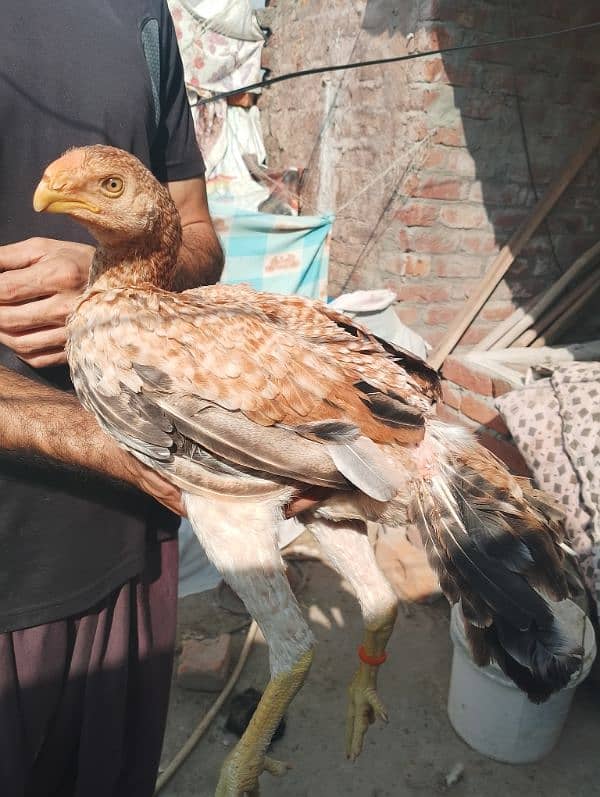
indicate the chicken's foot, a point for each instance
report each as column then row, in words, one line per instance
column 349, row 551
column 242, row 767
column 364, row 703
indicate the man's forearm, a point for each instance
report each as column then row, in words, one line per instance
column 200, row 257
column 48, row 423
column 41, row 422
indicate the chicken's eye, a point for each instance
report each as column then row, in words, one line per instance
column 112, row 186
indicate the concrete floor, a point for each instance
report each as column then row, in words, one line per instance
column 411, row 755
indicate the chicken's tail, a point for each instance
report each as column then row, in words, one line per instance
column 495, row 543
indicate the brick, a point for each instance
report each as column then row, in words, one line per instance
column 476, row 103
column 467, row 376
column 461, row 162
column 433, row 335
column 428, row 70
column 508, row 219
column 479, row 242
column 440, row 188
column 416, row 129
column 456, row 266
column 464, row 216
column 498, row 78
column 422, row 292
column 501, row 193
column 417, row 214
column 204, row 664
column 505, row 451
column 497, row 311
column 500, row 386
column 558, row 87
column 440, row 314
column 483, row 412
column 475, row 334
column 435, row 160
column 407, row 314
column 438, row 241
column 410, row 264
column 464, row 288
column 451, row 395
column 433, row 37
column 424, row 96
column 451, row 136
column 466, row 75
column 449, row 415
column 402, row 240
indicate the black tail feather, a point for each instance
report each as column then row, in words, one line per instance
column 496, row 552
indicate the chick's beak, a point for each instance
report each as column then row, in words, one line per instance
column 55, row 200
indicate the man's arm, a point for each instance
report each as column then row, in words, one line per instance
column 201, row 256
column 35, row 419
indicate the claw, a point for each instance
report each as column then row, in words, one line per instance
column 240, row 773
column 274, row 767
column 364, row 707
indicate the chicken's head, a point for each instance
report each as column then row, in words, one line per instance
column 109, row 191
column 129, row 213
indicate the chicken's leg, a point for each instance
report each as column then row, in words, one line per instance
column 240, row 539
column 347, row 548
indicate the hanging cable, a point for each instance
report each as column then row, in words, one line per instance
column 318, row 70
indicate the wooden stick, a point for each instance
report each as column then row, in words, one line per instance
column 502, row 328
column 590, row 350
column 542, row 323
column 509, row 252
column 511, row 336
column 565, row 320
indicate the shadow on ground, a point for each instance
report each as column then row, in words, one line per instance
column 412, row 755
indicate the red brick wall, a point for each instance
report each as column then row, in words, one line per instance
column 432, row 235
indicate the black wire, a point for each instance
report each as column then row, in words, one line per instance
column 317, row 70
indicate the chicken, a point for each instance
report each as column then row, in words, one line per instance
column 245, row 400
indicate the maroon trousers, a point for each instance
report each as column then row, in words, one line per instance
column 83, row 701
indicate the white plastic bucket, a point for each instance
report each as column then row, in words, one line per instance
column 493, row 716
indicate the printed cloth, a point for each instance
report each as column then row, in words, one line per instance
column 217, row 56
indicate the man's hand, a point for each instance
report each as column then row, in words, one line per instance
column 40, row 282
column 149, row 481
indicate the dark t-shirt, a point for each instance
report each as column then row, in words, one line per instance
column 73, row 72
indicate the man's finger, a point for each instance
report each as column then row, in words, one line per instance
column 21, row 254
column 36, row 343
column 46, row 359
column 25, row 284
column 45, row 278
column 36, row 314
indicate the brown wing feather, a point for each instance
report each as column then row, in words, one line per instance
column 156, row 367
column 360, row 353
column 235, row 356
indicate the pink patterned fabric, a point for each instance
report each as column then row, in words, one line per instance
column 212, row 63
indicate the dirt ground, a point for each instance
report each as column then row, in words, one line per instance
column 410, row 756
